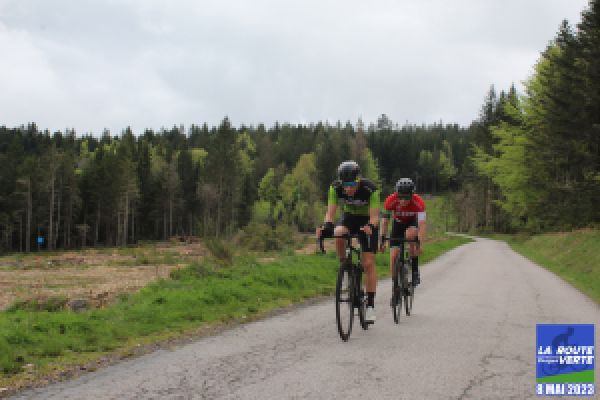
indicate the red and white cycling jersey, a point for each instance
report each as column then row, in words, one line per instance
column 413, row 212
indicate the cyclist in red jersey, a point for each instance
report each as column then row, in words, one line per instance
column 408, row 211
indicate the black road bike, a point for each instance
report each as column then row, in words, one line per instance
column 402, row 287
column 349, row 292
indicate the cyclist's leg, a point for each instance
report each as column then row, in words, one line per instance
column 340, row 244
column 411, row 233
column 368, row 262
column 398, row 232
column 394, row 251
column 368, row 250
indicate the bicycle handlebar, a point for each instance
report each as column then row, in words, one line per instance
column 347, row 237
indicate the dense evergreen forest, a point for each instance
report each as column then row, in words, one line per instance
column 78, row 191
column 529, row 161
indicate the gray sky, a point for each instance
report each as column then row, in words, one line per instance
column 95, row 64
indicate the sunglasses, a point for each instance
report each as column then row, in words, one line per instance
column 350, row 184
column 404, row 196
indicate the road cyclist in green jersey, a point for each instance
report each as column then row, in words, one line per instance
column 359, row 199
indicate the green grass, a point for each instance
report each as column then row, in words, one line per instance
column 574, row 256
column 573, row 377
column 201, row 294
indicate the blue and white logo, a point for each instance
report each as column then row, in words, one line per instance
column 565, row 360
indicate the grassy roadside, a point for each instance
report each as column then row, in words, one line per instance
column 35, row 343
column 574, row 256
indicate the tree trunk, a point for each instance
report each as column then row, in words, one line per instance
column 133, row 224
column 118, row 238
column 219, row 208
column 205, row 215
column 8, row 228
column 51, row 217
column 165, row 224
column 20, row 232
column 170, row 215
column 126, row 219
column 57, row 225
column 68, row 226
column 97, row 233
column 232, row 222
column 29, row 212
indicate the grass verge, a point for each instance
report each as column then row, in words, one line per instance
column 574, row 256
column 573, row 377
column 35, row 343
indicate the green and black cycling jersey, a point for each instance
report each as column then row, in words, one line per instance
column 365, row 198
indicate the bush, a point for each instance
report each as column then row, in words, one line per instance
column 192, row 271
column 263, row 237
column 50, row 304
column 220, row 251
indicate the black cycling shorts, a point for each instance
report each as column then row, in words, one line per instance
column 354, row 223
column 399, row 231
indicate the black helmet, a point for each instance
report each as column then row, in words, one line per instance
column 348, row 171
column 405, row 186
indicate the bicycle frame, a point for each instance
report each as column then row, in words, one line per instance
column 403, row 250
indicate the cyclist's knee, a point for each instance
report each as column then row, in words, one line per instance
column 340, row 230
column 368, row 260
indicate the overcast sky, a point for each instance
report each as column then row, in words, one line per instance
column 95, row 64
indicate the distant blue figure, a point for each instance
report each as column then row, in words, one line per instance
column 562, row 340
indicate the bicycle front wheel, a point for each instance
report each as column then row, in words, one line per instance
column 344, row 302
column 396, row 293
column 408, row 290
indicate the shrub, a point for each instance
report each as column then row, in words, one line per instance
column 220, row 251
column 50, row 304
column 263, row 237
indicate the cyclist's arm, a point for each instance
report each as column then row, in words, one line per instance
column 384, row 224
column 330, row 214
column 422, row 227
column 386, row 214
column 374, row 206
column 331, row 205
column 383, row 230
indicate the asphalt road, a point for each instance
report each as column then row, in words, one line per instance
column 471, row 336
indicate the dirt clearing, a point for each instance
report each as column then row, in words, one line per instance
column 97, row 276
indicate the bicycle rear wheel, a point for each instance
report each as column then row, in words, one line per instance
column 396, row 293
column 344, row 302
